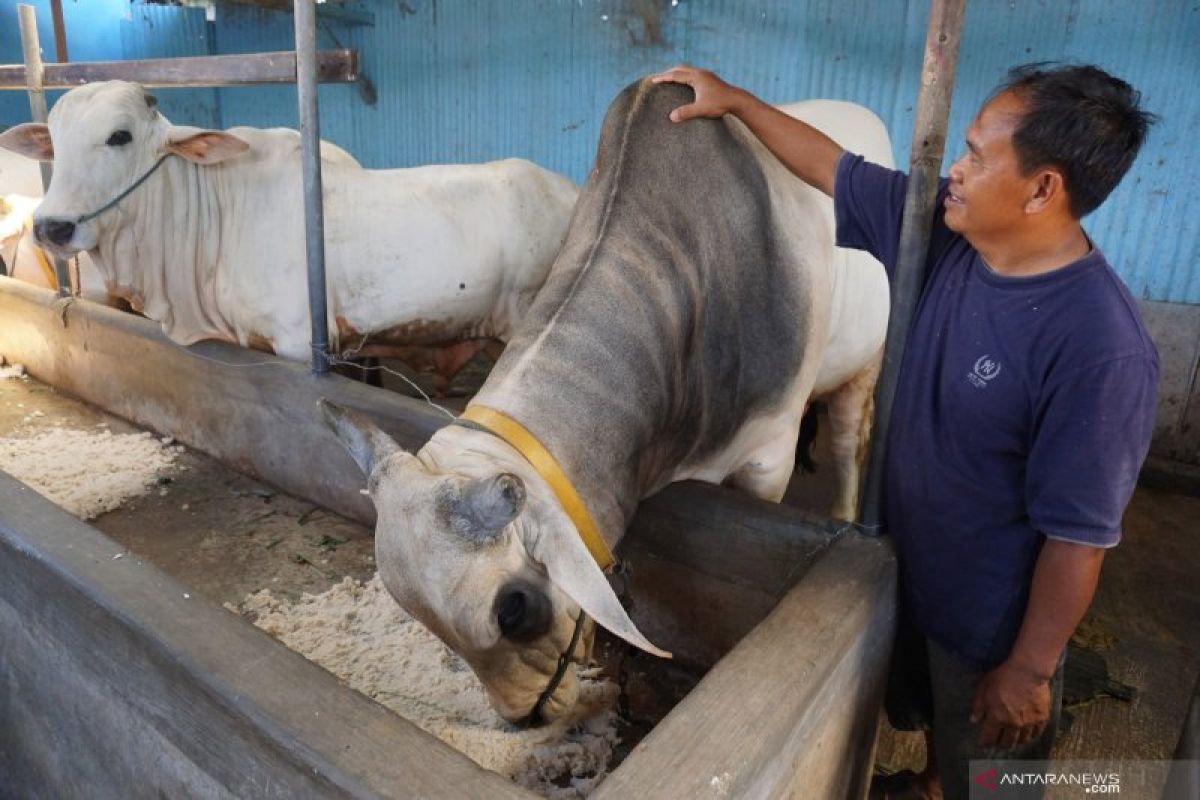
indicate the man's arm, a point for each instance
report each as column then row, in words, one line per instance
column 1013, row 700
column 803, row 149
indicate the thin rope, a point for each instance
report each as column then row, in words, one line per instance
column 124, row 194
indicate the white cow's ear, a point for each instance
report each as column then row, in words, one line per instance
column 573, row 570
column 367, row 443
column 31, row 139
column 203, row 147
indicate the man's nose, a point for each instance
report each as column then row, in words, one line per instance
column 955, row 171
column 53, row 231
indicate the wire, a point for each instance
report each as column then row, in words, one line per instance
column 332, row 360
column 400, row 375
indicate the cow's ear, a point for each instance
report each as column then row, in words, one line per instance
column 203, row 147
column 559, row 548
column 31, row 139
column 368, row 445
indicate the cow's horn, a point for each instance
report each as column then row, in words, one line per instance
column 366, row 443
column 489, row 504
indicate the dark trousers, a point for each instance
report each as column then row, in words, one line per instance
column 932, row 689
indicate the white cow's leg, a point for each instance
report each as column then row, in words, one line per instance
column 850, row 410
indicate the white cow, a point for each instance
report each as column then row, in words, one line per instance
column 19, row 175
column 697, row 306
column 212, row 243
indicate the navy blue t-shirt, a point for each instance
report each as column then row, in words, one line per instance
column 1024, row 410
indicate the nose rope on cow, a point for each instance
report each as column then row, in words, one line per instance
column 86, row 217
column 564, row 661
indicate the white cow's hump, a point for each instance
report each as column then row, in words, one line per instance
column 854, row 127
column 285, row 142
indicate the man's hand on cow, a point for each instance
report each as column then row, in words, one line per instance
column 1012, row 706
column 714, row 97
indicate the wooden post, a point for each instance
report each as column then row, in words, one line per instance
column 929, row 144
column 37, row 108
column 60, row 32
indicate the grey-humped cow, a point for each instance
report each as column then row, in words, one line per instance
column 212, row 244
column 696, row 307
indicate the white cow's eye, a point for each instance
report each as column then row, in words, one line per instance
column 119, row 138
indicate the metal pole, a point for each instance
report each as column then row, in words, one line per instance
column 310, row 142
column 929, row 144
column 37, row 108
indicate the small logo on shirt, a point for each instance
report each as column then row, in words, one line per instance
column 986, row 369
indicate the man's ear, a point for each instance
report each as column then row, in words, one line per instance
column 1048, row 189
column 203, row 147
column 31, row 139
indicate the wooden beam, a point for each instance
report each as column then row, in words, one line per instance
column 942, row 38
column 792, row 710
column 333, row 66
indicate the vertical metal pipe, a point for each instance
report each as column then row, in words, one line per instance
column 310, row 141
column 929, row 144
column 37, row 109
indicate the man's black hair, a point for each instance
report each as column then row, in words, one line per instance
column 1081, row 120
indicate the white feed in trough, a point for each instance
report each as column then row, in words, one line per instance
column 359, row 633
column 86, row 472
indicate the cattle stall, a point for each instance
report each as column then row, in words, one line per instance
column 759, row 595
column 753, row 596
column 749, row 594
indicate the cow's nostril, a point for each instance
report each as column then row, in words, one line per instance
column 523, row 612
column 54, row 231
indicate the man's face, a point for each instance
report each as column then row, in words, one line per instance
column 987, row 191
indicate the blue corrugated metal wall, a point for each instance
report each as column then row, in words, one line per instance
column 471, row 80
column 112, row 30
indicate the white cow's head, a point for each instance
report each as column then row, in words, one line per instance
column 102, row 137
column 496, row 571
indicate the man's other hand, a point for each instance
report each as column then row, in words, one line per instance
column 1012, row 706
column 714, row 97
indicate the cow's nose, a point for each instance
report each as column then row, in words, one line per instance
column 523, row 612
column 53, row 231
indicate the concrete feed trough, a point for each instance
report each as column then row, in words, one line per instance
column 116, row 676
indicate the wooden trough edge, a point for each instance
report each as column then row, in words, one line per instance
column 792, row 711
column 115, row 680
column 258, row 414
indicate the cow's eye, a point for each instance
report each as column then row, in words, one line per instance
column 119, row 138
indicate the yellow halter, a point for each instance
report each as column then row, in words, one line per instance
column 515, row 434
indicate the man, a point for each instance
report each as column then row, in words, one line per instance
column 1024, row 408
